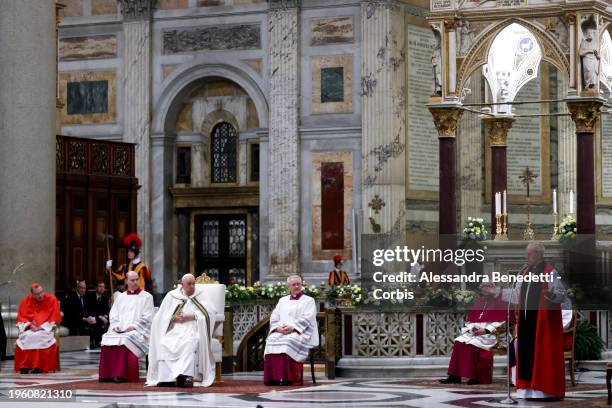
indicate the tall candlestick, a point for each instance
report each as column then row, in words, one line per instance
column 555, row 200
column 505, row 204
column 571, row 203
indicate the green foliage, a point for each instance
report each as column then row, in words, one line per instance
column 587, row 344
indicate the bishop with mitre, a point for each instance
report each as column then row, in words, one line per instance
column 293, row 332
column 36, row 348
column 127, row 338
column 180, row 351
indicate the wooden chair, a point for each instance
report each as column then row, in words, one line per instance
column 569, row 351
column 312, row 371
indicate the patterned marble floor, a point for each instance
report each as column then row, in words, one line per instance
column 344, row 393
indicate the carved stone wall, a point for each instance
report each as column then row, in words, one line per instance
column 234, row 37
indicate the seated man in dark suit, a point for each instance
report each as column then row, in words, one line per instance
column 75, row 311
column 97, row 308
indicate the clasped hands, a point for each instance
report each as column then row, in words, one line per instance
column 118, row 329
column 285, row 329
column 181, row 318
column 478, row 332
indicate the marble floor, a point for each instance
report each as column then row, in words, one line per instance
column 342, row 393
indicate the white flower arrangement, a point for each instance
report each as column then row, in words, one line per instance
column 474, row 229
column 567, row 229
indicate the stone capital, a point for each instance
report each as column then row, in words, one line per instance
column 137, row 10
column 585, row 112
column 446, row 119
column 283, row 4
column 496, row 129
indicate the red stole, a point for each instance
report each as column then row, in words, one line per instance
column 549, row 364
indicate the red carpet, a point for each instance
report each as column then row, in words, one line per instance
column 227, row 386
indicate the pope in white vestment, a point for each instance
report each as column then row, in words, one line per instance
column 293, row 332
column 127, row 338
column 181, row 337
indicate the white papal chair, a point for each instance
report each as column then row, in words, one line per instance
column 215, row 293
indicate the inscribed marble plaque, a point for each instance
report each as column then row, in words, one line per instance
column 331, row 30
column 332, row 84
column 83, row 94
column 94, row 47
column 525, row 142
column 422, row 134
column 87, row 97
column 606, row 156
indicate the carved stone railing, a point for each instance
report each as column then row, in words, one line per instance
column 94, row 157
column 426, row 333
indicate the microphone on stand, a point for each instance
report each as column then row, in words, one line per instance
column 509, row 400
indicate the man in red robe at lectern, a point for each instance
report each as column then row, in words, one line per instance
column 472, row 357
column 540, row 360
column 36, row 348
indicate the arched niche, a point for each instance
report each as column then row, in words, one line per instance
column 479, row 51
column 185, row 80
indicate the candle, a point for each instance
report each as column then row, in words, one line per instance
column 555, row 201
column 497, row 204
column 505, row 203
column 571, row 202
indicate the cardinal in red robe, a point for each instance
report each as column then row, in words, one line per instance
column 472, row 357
column 36, row 348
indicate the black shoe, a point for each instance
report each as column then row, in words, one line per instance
column 272, row 383
column 472, row 381
column 285, row 382
column 180, row 380
column 105, row 380
column 119, row 380
column 166, row 384
column 451, row 379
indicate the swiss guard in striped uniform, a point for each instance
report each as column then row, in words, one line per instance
column 338, row 277
column 133, row 244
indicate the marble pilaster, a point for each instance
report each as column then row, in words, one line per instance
column 27, row 126
column 284, row 144
column 383, row 118
column 137, row 112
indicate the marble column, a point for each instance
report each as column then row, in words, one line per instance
column 566, row 154
column 161, row 231
column 470, row 155
column 496, row 130
column 585, row 113
column 383, row 119
column 137, row 73
column 27, row 126
column 284, row 139
column 446, row 118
